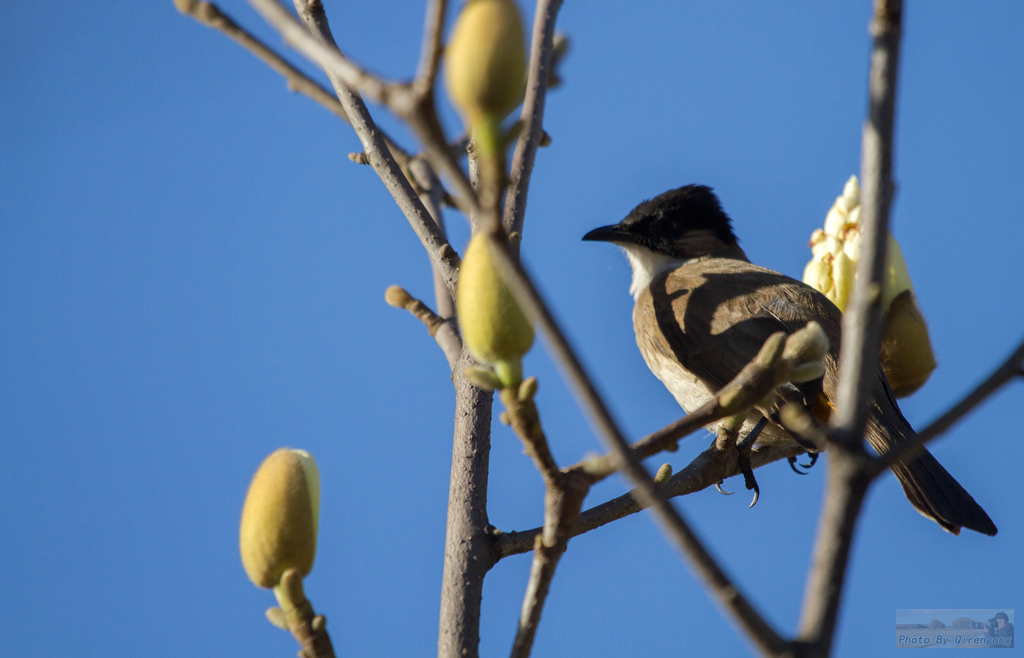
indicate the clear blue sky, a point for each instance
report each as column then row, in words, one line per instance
column 192, row 274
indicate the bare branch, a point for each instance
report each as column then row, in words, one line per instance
column 416, row 109
column 442, row 256
column 439, row 328
column 562, row 505
column 710, row 467
column 211, row 15
column 470, row 548
column 847, row 474
column 859, row 355
column 324, row 53
column 430, row 57
column 532, row 115
column 563, row 499
column 432, row 195
column 1011, row 368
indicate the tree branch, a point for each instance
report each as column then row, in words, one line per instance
column 442, row 256
column 405, row 100
column 440, row 329
column 532, row 115
column 563, row 499
column 711, row 466
column 847, row 475
column 430, row 57
column 432, row 195
column 470, row 549
column 211, row 15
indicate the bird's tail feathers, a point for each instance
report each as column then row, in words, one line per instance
column 928, row 486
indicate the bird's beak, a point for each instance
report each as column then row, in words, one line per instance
column 614, row 233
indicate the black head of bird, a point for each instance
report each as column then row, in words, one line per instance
column 687, row 222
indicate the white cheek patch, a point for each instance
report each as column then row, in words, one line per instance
column 647, row 266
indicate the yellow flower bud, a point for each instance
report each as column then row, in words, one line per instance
column 279, row 518
column 818, row 275
column 906, row 352
column 494, row 328
column 485, row 62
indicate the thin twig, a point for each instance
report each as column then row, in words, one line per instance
column 432, row 196
column 441, row 253
column 532, row 115
column 847, row 479
column 430, row 57
column 440, row 329
column 563, row 499
column 406, row 101
column 211, row 15
column 708, row 468
column 1006, row 372
column 327, row 56
column 858, row 360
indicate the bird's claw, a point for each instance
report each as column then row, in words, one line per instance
column 748, row 479
column 718, row 485
column 813, row 459
column 744, row 447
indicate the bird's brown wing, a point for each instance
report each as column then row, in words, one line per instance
column 713, row 315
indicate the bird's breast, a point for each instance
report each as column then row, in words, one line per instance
column 689, row 391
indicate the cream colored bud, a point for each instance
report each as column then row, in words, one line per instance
column 852, row 190
column 485, row 61
column 844, row 270
column 279, row 518
column 494, row 328
column 906, row 352
column 851, row 244
column 818, row 275
column 835, row 222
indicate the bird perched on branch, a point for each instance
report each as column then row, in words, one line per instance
column 703, row 311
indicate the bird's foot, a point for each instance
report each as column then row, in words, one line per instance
column 718, row 485
column 744, row 447
column 813, row 459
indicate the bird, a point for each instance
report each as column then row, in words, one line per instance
column 703, row 310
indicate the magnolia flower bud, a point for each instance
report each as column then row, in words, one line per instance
column 494, row 328
column 279, row 518
column 485, row 62
column 906, row 352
